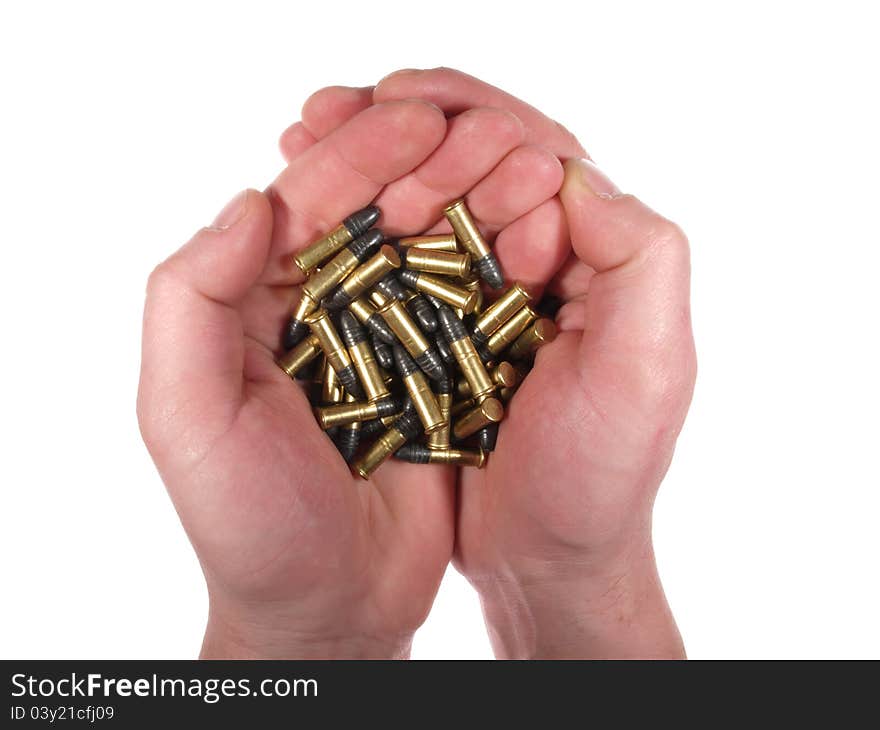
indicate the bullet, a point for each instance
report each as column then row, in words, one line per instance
column 348, row 438
column 367, row 315
column 335, row 351
column 442, row 242
column 439, row 439
column 306, row 351
column 487, row 437
column 511, row 329
column 443, row 348
column 341, row 265
column 389, row 286
column 410, row 336
column 422, row 312
column 406, row 427
column 536, row 335
column 384, row 353
column 356, row 411
column 355, row 338
column 371, row 428
column 443, row 290
column 465, row 354
column 386, row 259
column 416, row 454
column 499, row 312
column 472, row 241
column 503, row 375
column 417, row 386
column 489, row 411
column 438, row 262
column 357, row 224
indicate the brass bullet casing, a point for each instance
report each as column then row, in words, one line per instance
column 501, row 310
column 370, row 318
column 438, row 262
column 472, row 241
column 410, row 336
column 439, row 439
column 341, row 265
column 419, row 391
column 489, row 411
column 335, row 351
column 460, row 406
column 364, row 276
column 442, row 242
column 511, row 329
column 357, row 224
column 331, row 389
column 466, row 230
column 404, row 428
column 475, row 285
column 503, row 375
column 478, row 380
column 353, row 411
column 536, row 335
column 416, row 454
column 443, row 290
column 300, row 356
column 361, row 352
column 322, row 282
column 348, row 438
column 465, row 354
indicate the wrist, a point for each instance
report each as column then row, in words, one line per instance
column 581, row 608
column 269, row 633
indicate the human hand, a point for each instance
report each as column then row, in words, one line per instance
column 555, row 533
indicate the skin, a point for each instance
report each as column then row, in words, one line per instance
column 303, row 560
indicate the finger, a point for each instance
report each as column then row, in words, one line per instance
column 637, row 310
column 344, row 172
column 193, row 349
column 534, row 246
column 295, row 140
column 454, row 92
column 330, row 107
column 476, row 141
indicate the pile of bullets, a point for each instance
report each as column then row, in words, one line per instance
column 407, row 347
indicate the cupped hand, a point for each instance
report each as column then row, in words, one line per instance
column 300, row 557
column 555, row 532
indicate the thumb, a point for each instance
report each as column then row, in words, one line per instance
column 193, row 346
column 637, row 331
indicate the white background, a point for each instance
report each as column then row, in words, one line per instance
column 125, row 128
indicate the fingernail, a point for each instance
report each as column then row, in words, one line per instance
column 598, row 183
column 399, row 72
column 232, row 212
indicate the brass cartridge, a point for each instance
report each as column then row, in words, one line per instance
column 442, row 242
column 363, row 359
column 438, row 262
column 364, row 276
column 417, row 386
column 536, row 335
column 472, row 241
column 489, row 411
column 370, row 318
column 306, row 351
column 511, row 329
column 443, row 290
column 500, row 311
column 357, row 224
column 410, row 336
column 355, row 411
column 404, row 428
column 465, row 354
column 335, row 351
column 503, row 375
column 458, row 457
